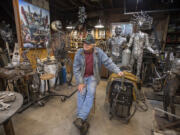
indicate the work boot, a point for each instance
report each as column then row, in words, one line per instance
column 78, row 123
column 84, row 128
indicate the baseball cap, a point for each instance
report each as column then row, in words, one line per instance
column 89, row 40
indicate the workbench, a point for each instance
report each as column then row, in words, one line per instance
column 6, row 115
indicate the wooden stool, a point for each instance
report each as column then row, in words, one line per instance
column 47, row 76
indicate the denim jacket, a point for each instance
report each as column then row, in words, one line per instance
column 99, row 58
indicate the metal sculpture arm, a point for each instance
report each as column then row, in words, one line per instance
column 130, row 41
column 124, row 44
column 109, row 47
column 147, row 44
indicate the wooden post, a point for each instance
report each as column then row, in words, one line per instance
column 17, row 21
column 8, row 127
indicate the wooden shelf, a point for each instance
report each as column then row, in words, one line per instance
column 100, row 39
column 173, row 33
column 172, row 42
column 172, row 45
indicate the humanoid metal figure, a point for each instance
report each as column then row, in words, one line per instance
column 171, row 87
column 116, row 45
column 60, row 46
column 139, row 41
column 57, row 39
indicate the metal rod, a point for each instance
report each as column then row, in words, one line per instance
column 160, row 110
column 151, row 11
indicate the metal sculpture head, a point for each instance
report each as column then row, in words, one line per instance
column 118, row 30
column 56, row 25
column 142, row 20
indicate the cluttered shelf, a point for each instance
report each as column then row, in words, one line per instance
column 173, row 42
column 174, row 33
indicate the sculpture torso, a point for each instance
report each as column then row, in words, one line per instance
column 139, row 43
column 116, row 45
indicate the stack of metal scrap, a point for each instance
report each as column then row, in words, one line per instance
column 9, row 74
column 5, row 100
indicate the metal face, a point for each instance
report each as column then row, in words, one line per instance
column 118, row 30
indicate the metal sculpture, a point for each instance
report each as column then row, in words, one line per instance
column 116, row 45
column 82, row 15
column 140, row 40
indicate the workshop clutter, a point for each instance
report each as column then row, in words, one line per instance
column 51, row 68
column 54, row 69
column 121, row 92
column 5, row 100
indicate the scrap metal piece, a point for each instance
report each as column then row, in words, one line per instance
column 4, row 106
column 7, row 97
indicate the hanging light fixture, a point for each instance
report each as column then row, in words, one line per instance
column 70, row 26
column 99, row 25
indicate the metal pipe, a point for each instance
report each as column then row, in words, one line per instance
column 151, row 11
column 160, row 110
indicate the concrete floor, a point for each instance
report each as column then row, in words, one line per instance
column 56, row 118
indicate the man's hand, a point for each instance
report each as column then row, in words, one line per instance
column 80, row 87
column 120, row 73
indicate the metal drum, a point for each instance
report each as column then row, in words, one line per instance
column 51, row 68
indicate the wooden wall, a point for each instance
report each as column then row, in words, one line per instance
column 107, row 18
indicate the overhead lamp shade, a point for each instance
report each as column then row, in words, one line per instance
column 99, row 25
column 69, row 27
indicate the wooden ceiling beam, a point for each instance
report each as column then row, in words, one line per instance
column 74, row 3
column 99, row 3
column 107, row 3
column 110, row 3
column 63, row 7
column 63, row 4
column 87, row 4
column 94, row 14
column 103, row 12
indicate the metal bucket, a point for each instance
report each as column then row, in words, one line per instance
column 52, row 69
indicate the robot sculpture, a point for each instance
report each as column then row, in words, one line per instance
column 59, row 48
column 140, row 40
column 171, row 87
column 116, row 45
column 57, row 39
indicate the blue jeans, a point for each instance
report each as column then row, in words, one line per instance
column 85, row 98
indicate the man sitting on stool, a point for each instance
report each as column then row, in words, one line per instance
column 86, row 68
